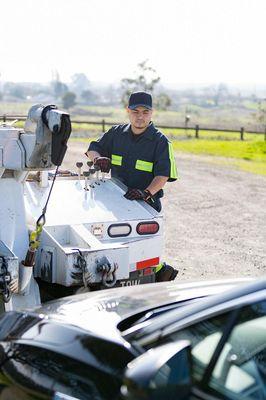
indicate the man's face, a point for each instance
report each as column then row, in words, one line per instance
column 139, row 118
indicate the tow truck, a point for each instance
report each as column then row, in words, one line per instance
column 66, row 232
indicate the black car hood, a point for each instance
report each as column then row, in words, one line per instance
column 100, row 312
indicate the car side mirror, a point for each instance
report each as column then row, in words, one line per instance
column 160, row 373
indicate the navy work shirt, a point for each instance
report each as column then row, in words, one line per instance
column 137, row 159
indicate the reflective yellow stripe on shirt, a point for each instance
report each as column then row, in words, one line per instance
column 173, row 173
column 159, row 267
column 144, row 165
column 116, row 160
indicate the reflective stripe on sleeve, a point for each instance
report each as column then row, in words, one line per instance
column 116, row 160
column 173, row 173
column 159, row 267
column 144, row 165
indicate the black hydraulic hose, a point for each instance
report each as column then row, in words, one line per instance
column 41, row 219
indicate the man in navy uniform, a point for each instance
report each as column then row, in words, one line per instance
column 141, row 157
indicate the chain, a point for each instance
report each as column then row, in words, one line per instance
column 83, row 266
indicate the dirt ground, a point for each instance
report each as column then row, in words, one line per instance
column 215, row 218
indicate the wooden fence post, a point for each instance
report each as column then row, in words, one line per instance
column 4, row 118
column 242, row 133
column 103, row 125
column 265, row 134
column 197, row 132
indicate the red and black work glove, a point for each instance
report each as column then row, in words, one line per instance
column 104, row 163
column 137, row 194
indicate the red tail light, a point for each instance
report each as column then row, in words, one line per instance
column 147, row 228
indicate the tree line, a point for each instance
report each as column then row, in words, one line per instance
column 81, row 91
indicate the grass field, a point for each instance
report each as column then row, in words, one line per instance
column 248, row 156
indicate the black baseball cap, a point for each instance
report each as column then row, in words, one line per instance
column 140, row 99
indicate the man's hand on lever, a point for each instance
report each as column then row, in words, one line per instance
column 104, row 163
column 137, row 194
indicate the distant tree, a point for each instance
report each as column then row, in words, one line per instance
column 145, row 79
column 220, row 92
column 261, row 114
column 79, row 83
column 16, row 90
column 59, row 88
column 214, row 95
column 162, row 101
column 88, row 96
column 68, row 100
column 254, row 97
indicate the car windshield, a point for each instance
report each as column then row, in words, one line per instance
column 150, row 331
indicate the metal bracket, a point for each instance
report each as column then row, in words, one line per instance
column 108, row 273
column 5, row 280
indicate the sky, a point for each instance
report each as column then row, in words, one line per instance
column 186, row 41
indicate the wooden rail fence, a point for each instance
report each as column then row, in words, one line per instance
column 103, row 123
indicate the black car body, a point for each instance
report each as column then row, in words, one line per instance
column 158, row 341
